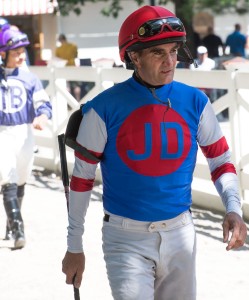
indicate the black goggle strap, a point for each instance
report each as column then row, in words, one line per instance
column 189, row 59
column 3, row 81
column 128, row 62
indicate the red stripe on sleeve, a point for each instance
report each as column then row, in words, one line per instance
column 81, row 157
column 81, row 185
column 216, row 149
column 226, row 168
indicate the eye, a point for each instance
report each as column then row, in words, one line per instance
column 157, row 52
column 174, row 51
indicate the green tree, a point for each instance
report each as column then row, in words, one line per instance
column 184, row 8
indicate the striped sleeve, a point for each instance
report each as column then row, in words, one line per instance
column 216, row 150
column 92, row 136
column 41, row 100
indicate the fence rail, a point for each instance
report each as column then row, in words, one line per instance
column 231, row 93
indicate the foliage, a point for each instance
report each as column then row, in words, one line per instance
column 112, row 7
column 241, row 6
column 184, row 8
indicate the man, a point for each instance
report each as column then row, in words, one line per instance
column 236, row 41
column 204, row 62
column 66, row 50
column 213, row 43
column 146, row 130
column 24, row 105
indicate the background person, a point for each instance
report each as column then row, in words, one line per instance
column 69, row 52
column 204, row 62
column 236, row 42
column 24, row 105
column 213, row 43
column 66, row 50
column 146, row 130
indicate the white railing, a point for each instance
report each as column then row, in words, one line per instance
column 236, row 100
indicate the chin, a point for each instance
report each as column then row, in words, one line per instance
column 168, row 80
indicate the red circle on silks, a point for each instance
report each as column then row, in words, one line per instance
column 154, row 140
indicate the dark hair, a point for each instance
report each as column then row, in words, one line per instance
column 237, row 27
column 62, row 37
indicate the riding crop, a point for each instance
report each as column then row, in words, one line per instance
column 65, row 180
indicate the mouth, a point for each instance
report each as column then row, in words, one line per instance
column 20, row 61
column 166, row 72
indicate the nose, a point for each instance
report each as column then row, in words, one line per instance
column 22, row 54
column 168, row 59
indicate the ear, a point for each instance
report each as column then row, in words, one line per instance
column 3, row 55
column 134, row 57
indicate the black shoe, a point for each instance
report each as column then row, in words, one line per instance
column 8, row 233
column 19, row 241
column 18, row 235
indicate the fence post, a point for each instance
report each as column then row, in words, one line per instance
column 235, row 127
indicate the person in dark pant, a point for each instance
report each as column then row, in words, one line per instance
column 213, row 43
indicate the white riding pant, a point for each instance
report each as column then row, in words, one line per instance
column 16, row 153
column 150, row 260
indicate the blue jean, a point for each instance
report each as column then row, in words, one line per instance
column 150, row 261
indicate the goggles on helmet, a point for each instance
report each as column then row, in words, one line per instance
column 157, row 26
column 151, row 26
column 22, row 38
column 11, row 39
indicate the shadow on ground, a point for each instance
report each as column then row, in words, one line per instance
column 207, row 223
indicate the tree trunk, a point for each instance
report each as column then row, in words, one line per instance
column 184, row 12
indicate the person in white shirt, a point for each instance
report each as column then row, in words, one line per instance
column 204, row 62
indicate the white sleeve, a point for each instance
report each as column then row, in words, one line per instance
column 214, row 146
column 92, row 135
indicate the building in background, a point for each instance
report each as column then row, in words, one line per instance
column 30, row 16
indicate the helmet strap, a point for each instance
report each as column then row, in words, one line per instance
column 128, row 62
column 3, row 82
column 188, row 58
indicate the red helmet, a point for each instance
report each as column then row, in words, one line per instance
column 149, row 26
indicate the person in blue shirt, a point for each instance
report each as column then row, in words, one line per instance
column 24, row 106
column 236, row 41
column 146, row 132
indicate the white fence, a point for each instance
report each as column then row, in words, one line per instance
column 233, row 94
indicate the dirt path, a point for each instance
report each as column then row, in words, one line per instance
column 34, row 273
